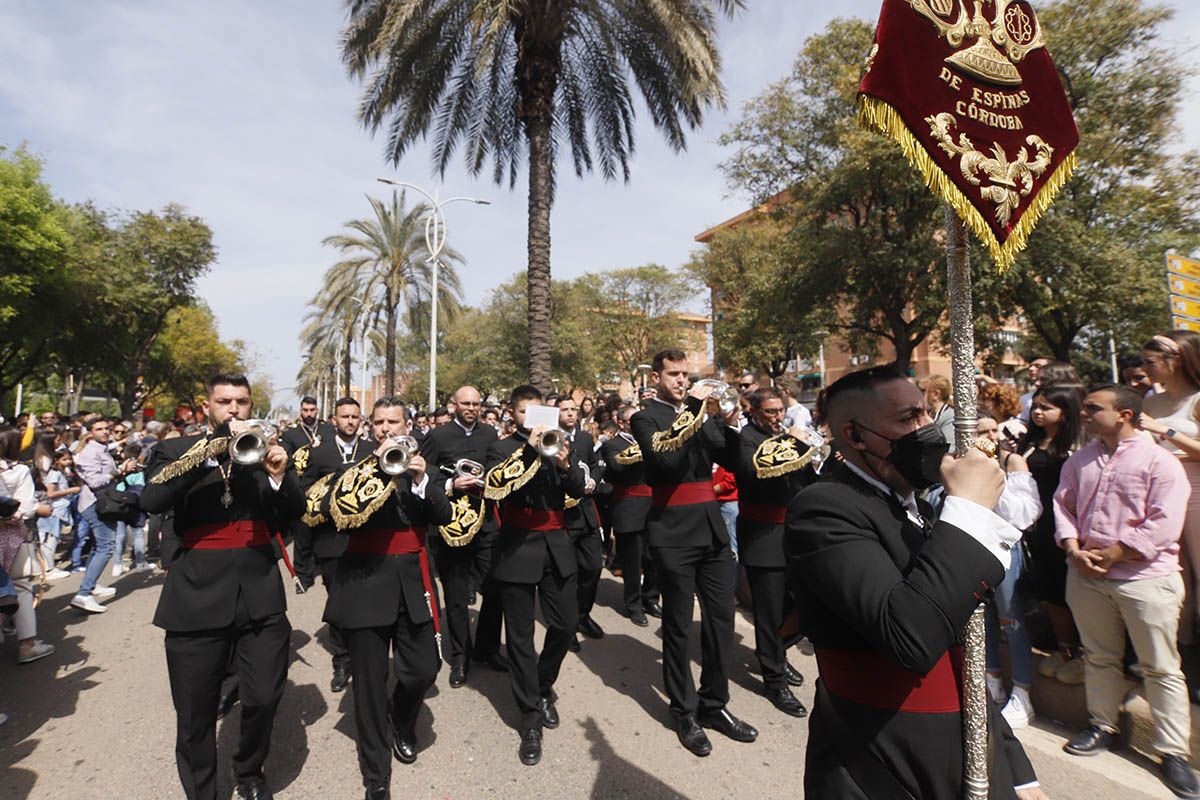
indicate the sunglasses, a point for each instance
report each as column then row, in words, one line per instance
column 745, row 385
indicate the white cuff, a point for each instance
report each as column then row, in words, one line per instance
column 418, row 489
column 1033, row 785
column 983, row 525
column 275, row 482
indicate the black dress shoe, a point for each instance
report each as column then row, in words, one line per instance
column 404, row 748
column 574, row 646
column 471, row 599
column 794, row 678
column 227, row 702
column 724, row 722
column 1092, row 741
column 1179, row 777
column 638, row 618
column 531, row 746
column 494, row 660
column 378, row 792
column 549, row 712
column 653, row 609
column 692, row 736
column 785, row 701
column 458, row 675
column 253, row 789
column 589, row 628
column 341, row 679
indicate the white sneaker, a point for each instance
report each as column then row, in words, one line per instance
column 146, row 567
column 995, row 687
column 1018, row 711
column 57, row 574
column 87, row 603
column 103, row 592
column 117, row 569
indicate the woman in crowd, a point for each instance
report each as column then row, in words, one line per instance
column 1055, row 432
column 1172, row 361
column 1002, row 403
column 16, row 481
column 938, row 399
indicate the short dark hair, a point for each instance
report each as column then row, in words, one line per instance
column 390, row 401
column 763, row 393
column 227, row 379
column 441, row 411
column 861, row 381
column 1124, row 397
column 344, row 401
column 656, row 363
column 308, row 400
column 524, row 392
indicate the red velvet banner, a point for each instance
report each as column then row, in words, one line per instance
column 968, row 90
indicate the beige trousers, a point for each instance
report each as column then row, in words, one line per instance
column 1148, row 610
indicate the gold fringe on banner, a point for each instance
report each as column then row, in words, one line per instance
column 359, row 493
column 875, row 114
column 630, row 455
column 512, row 473
column 682, row 428
column 314, row 501
column 469, row 512
column 781, row 454
column 195, row 456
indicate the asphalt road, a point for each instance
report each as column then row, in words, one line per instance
column 94, row 722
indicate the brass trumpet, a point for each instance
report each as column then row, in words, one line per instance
column 395, row 457
column 726, row 396
column 551, row 443
column 250, row 446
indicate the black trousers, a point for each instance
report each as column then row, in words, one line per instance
column 459, row 568
column 637, row 571
column 303, row 559
column 376, row 715
column 532, row 676
column 768, row 593
column 589, row 561
column 196, row 665
column 707, row 573
column 337, row 639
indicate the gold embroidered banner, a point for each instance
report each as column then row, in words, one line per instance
column 968, row 91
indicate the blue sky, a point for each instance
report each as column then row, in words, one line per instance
column 243, row 113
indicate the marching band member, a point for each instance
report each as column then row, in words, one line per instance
column 383, row 597
column 534, row 556
column 299, row 440
column 223, row 594
column 583, row 520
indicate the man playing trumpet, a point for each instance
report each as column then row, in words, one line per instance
column 223, row 595
column 383, row 597
column 531, row 477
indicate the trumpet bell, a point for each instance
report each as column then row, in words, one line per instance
column 726, row 397
column 466, row 468
column 395, row 458
column 550, row 443
column 250, row 446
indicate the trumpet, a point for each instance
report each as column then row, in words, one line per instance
column 466, row 468
column 395, row 457
column 726, row 396
column 250, row 446
column 551, row 442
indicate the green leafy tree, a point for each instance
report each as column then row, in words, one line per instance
column 507, row 80
column 186, row 355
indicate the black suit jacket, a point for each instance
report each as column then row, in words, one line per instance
column 368, row 588
column 323, row 460
column 294, row 438
column 692, row 525
column 202, row 586
column 628, row 513
column 760, row 544
column 518, row 555
column 445, row 445
column 584, row 518
column 868, row 579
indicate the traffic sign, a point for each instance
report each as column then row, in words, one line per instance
column 1188, row 287
column 1181, row 265
column 1185, row 307
column 1185, row 324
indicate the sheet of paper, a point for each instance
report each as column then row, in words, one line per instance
column 541, row 416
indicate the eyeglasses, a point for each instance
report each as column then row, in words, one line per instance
column 745, row 385
column 469, row 405
column 773, row 412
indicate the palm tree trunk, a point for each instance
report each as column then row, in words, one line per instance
column 346, row 368
column 389, row 353
column 537, row 130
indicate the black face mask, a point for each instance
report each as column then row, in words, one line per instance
column 917, row 456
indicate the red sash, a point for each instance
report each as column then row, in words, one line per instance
column 398, row 542
column 762, row 513
column 872, row 679
column 683, row 494
column 620, row 492
column 532, row 519
column 228, row 535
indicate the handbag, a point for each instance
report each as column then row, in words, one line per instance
column 116, row 505
column 29, row 563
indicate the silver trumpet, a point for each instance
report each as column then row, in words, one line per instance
column 551, row 443
column 250, row 446
column 396, row 456
column 466, row 468
column 726, row 396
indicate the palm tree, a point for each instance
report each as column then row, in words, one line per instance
column 503, row 76
column 386, row 265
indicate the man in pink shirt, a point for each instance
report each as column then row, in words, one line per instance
column 1119, row 511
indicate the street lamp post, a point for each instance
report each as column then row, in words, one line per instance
column 821, row 354
column 435, row 241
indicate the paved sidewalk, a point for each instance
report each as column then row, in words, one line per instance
column 94, row 722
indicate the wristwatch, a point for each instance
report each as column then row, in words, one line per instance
column 1170, row 434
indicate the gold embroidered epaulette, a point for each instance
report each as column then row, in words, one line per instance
column 301, row 457
column 630, row 455
column 195, row 456
column 468, row 519
column 511, row 474
column 682, row 428
column 359, row 493
column 314, row 501
column 780, row 455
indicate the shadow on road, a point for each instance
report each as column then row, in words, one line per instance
column 618, row 778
